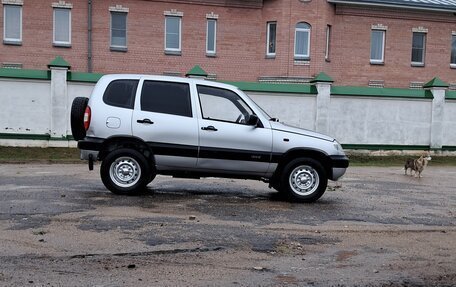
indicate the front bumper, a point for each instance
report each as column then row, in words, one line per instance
column 339, row 166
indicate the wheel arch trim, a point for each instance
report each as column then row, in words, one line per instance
column 126, row 141
column 295, row 153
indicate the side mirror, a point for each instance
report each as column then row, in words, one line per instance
column 252, row 120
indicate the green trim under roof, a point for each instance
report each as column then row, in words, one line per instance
column 25, row 74
column 84, row 77
column 275, row 88
column 13, row 136
column 380, row 92
column 384, row 147
column 436, row 83
column 451, row 95
column 59, row 62
column 196, row 71
column 41, row 137
column 371, row 147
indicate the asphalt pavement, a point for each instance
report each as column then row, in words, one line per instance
column 59, row 226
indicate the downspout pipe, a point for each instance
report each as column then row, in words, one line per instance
column 89, row 37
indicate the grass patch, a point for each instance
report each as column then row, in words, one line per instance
column 71, row 155
column 36, row 154
column 364, row 160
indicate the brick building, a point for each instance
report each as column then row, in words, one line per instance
column 391, row 43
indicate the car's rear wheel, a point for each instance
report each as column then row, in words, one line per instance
column 125, row 171
column 78, row 108
column 304, row 180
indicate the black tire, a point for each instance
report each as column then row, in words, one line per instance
column 303, row 180
column 77, row 117
column 125, row 171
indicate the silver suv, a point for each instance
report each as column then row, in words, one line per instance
column 139, row 126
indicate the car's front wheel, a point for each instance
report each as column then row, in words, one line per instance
column 125, row 171
column 304, row 180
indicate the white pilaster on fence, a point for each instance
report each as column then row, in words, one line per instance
column 323, row 104
column 59, row 101
column 438, row 111
column 438, row 89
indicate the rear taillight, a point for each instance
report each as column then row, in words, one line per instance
column 87, row 116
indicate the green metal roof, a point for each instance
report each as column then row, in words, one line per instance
column 59, row 62
column 322, row 78
column 196, row 71
column 380, row 92
column 274, row 88
column 436, row 5
column 25, row 74
column 436, row 83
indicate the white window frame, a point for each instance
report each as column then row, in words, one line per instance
column 118, row 47
column 420, row 64
column 382, row 60
column 308, row 30
column 213, row 52
column 453, row 35
column 62, row 43
column 12, row 40
column 268, row 31
column 328, row 42
column 174, row 50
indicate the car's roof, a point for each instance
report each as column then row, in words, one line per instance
column 111, row 77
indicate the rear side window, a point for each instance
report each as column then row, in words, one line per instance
column 166, row 98
column 121, row 93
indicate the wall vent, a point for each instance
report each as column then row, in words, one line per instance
column 416, row 85
column 12, row 65
column 173, row 74
column 284, row 80
column 376, row 83
column 212, row 77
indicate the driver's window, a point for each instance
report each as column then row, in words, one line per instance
column 223, row 105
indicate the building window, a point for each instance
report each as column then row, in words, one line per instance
column 271, row 39
column 118, row 31
column 328, row 41
column 302, row 41
column 12, row 24
column 453, row 51
column 377, row 52
column 418, row 48
column 211, row 37
column 173, row 34
column 62, row 27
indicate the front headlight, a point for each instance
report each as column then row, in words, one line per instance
column 337, row 146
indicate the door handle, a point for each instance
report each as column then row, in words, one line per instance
column 145, row 121
column 209, row 128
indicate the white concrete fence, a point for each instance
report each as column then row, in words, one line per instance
column 35, row 111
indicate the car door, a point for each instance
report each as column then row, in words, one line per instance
column 164, row 118
column 227, row 142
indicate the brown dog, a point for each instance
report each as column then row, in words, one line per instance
column 417, row 165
